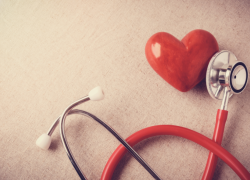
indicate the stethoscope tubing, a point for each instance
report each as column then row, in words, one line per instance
column 212, row 145
column 198, row 138
column 212, row 159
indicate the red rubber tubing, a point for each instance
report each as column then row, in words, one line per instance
column 217, row 137
column 135, row 138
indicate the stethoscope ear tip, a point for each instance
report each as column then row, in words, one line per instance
column 44, row 141
column 96, row 94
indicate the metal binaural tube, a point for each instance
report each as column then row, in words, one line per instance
column 70, row 111
column 64, row 139
column 53, row 126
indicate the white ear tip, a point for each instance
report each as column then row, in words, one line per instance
column 43, row 141
column 96, row 94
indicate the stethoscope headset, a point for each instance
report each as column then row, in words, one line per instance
column 225, row 76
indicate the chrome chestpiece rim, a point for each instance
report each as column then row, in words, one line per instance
column 225, row 72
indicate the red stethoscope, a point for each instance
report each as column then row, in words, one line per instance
column 225, row 76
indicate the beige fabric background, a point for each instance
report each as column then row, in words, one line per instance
column 53, row 52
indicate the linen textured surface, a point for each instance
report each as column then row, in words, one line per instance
column 53, row 52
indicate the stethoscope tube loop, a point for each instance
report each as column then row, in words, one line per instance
column 198, row 138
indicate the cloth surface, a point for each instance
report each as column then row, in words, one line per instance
column 53, row 52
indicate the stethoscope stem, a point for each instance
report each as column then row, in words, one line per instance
column 53, row 126
column 225, row 99
column 70, row 111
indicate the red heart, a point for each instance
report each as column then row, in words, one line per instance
column 182, row 63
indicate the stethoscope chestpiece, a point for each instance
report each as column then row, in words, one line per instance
column 226, row 73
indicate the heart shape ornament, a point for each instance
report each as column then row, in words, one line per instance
column 182, row 64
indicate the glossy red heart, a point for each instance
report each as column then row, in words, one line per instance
column 182, row 64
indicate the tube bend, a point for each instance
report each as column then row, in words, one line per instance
column 198, row 138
